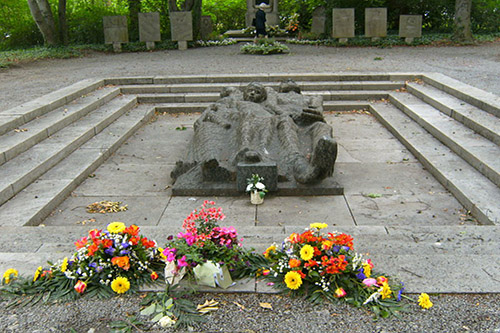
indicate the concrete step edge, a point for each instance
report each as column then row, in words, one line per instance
column 264, row 77
column 475, row 197
column 38, row 169
column 53, row 187
column 27, row 111
column 485, row 164
column 472, row 95
column 32, row 138
column 479, row 121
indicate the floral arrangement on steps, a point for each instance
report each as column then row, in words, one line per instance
column 324, row 266
column 117, row 260
column 205, row 244
column 256, row 188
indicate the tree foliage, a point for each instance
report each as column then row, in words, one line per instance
column 84, row 17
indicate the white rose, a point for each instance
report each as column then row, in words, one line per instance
column 260, row 186
column 249, row 187
column 166, row 321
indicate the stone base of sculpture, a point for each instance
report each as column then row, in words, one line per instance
column 258, row 130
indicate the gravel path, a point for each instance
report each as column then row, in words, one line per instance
column 478, row 66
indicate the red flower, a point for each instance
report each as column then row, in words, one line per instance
column 147, row 243
column 81, row 243
column 302, row 275
column 122, row 262
column 311, row 263
column 294, row 263
column 107, row 243
column 344, row 240
column 92, row 249
column 80, row 287
column 94, row 233
column 133, row 230
column 134, row 240
column 154, row 276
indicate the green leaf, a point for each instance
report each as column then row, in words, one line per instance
column 169, row 303
column 157, row 317
column 374, row 195
column 149, row 310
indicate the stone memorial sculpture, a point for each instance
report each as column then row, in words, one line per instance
column 258, row 125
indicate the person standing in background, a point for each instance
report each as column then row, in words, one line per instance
column 260, row 21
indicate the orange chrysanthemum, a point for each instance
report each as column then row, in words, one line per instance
column 294, row 263
column 122, row 262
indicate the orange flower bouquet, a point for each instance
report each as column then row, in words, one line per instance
column 319, row 265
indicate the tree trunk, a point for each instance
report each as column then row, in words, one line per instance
column 134, row 7
column 63, row 23
column 42, row 14
column 462, row 31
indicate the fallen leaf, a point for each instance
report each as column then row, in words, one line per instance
column 239, row 305
column 207, row 304
column 266, row 305
column 373, row 195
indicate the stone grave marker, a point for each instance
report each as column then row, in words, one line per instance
column 206, row 27
column 410, row 26
column 149, row 29
column 318, row 21
column 181, row 26
column 115, row 31
column 375, row 22
column 343, row 23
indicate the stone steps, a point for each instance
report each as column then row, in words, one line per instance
column 476, row 150
column 467, row 255
column 49, row 184
column 482, row 122
column 15, row 142
column 473, row 190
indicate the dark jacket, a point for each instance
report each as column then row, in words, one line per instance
column 260, row 20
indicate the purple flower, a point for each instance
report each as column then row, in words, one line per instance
column 336, row 248
column 170, row 237
column 401, row 291
column 125, row 245
column 99, row 269
column 182, row 262
column 170, row 254
column 345, row 248
column 124, row 252
column 93, row 265
column 110, row 251
column 361, row 275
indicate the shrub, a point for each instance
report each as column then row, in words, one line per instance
column 264, row 46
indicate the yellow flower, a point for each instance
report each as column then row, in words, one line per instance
column 318, row 225
column 306, row 252
column 293, row 280
column 37, row 273
column 268, row 251
column 367, row 269
column 160, row 251
column 120, row 285
column 116, row 227
column 424, row 301
column 8, row 273
column 64, row 265
column 386, row 291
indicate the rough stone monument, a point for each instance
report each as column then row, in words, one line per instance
column 318, row 21
column 115, row 31
column 410, row 26
column 272, row 15
column 149, row 29
column 181, row 27
column 343, row 23
column 279, row 134
column 375, row 22
column 206, row 26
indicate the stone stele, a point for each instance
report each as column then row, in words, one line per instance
column 115, row 29
column 149, row 27
column 206, row 27
column 181, row 26
column 343, row 23
column 282, row 133
column 410, row 26
column 318, row 21
column 375, row 22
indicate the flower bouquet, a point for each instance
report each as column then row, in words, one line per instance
column 113, row 261
column 318, row 265
column 206, row 251
column 256, row 188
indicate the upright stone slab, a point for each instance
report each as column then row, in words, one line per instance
column 343, row 23
column 318, row 21
column 272, row 14
column 206, row 27
column 410, row 26
column 115, row 31
column 268, row 171
column 149, row 28
column 181, row 27
column 375, row 22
